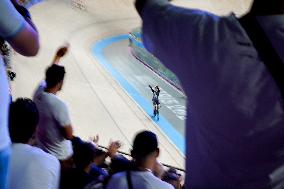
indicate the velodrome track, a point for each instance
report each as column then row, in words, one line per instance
column 97, row 102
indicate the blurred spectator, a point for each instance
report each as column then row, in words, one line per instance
column 235, row 131
column 54, row 130
column 87, row 172
column 145, row 152
column 24, row 39
column 30, row 167
column 89, row 158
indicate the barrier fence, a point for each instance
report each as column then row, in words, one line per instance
column 164, row 164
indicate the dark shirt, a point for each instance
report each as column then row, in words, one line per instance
column 74, row 178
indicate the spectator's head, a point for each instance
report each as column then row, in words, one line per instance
column 86, row 154
column 99, row 157
column 54, row 77
column 118, row 164
column 23, row 119
column 145, row 149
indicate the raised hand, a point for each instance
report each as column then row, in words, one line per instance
column 113, row 148
column 62, row 51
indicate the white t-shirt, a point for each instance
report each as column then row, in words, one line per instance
column 11, row 22
column 140, row 180
column 33, row 168
column 235, row 123
column 54, row 116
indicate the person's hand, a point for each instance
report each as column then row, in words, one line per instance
column 113, row 148
column 94, row 139
column 62, row 51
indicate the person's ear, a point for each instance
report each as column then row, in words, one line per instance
column 157, row 153
column 59, row 85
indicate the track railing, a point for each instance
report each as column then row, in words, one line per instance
column 164, row 164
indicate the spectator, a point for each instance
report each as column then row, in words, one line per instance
column 88, row 157
column 235, row 130
column 24, row 39
column 55, row 130
column 79, row 176
column 145, row 152
column 87, row 172
column 30, row 167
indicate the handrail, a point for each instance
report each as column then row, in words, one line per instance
column 164, row 164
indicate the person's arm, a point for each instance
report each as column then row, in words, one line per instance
column 68, row 132
column 113, row 149
column 26, row 42
column 62, row 51
column 17, row 31
column 151, row 88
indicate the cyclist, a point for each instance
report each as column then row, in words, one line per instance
column 155, row 100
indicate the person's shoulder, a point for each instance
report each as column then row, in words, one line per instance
column 158, row 183
column 119, row 175
column 41, row 156
column 162, row 184
column 56, row 102
column 39, row 90
column 166, row 185
column 117, row 180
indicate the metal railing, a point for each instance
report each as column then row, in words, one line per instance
column 164, row 164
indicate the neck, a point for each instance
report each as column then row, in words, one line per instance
column 263, row 8
column 144, row 166
column 51, row 90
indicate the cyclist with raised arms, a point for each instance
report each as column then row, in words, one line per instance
column 155, row 100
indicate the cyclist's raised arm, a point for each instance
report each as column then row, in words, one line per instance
column 151, row 89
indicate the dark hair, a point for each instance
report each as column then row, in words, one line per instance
column 84, row 154
column 118, row 164
column 144, row 144
column 99, row 153
column 23, row 119
column 54, row 75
